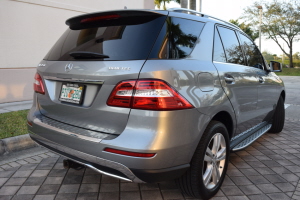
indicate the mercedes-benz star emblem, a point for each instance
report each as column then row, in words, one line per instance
column 68, row 67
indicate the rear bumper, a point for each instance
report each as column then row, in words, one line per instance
column 111, row 168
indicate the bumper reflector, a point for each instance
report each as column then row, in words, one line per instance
column 128, row 153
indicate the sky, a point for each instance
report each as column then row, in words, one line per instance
column 233, row 9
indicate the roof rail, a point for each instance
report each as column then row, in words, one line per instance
column 189, row 11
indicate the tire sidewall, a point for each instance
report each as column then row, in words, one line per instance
column 217, row 127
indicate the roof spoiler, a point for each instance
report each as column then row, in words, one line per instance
column 113, row 18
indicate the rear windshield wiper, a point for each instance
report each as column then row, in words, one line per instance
column 87, row 54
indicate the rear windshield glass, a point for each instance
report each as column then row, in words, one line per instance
column 124, row 42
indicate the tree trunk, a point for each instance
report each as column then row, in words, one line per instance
column 291, row 56
column 183, row 3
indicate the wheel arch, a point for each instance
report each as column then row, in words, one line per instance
column 283, row 95
column 225, row 118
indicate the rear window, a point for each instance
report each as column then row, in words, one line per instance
column 177, row 38
column 118, row 42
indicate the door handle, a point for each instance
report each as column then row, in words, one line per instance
column 261, row 79
column 229, row 79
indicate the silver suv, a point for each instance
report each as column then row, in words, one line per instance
column 149, row 96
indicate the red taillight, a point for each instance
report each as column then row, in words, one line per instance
column 104, row 17
column 38, row 84
column 147, row 95
column 129, row 153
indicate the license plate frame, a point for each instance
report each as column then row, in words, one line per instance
column 75, row 97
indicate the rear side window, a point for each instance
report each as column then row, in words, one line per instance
column 219, row 54
column 118, row 42
column 253, row 56
column 233, row 51
column 177, row 38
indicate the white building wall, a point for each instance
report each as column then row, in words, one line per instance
column 29, row 28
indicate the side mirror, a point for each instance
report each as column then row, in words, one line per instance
column 275, row 66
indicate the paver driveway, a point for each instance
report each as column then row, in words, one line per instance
column 268, row 169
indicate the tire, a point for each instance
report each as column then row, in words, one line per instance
column 192, row 182
column 278, row 117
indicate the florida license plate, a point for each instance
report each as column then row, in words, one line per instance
column 71, row 93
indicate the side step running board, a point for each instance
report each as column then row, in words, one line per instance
column 249, row 140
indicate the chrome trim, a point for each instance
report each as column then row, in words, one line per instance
column 84, row 156
column 100, row 82
column 40, row 123
column 249, row 140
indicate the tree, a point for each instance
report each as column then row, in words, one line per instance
column 246, row 28
column 159, row 2
column 281, row 22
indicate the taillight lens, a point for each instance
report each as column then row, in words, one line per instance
column 38, row 84
column 147, row 95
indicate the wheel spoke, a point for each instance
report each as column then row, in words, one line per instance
column 221, row 155
column 207, row 175
column 217, row 143
column 208, row 155
column 215, row 174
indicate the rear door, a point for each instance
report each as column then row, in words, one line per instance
column 89, row 60
column 267, row 89
column 238, row 80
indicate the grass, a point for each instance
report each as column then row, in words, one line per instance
column 289, row 72
column 13, row 123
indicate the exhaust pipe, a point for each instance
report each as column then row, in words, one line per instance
column 71, row 164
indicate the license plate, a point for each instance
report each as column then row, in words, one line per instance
column 71, row 93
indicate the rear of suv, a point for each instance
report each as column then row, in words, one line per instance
column 148, row 96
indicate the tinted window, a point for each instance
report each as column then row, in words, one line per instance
column 232, row 48
column 176, row 39
column 219, row 54
column 253, row 56
column 124, row 42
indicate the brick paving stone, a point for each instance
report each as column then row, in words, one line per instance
column 31, row 181
column 6, row 197
column 15, row 181
column 53, row 180
column 241, row 180
column 250, row 189
column 40, row 173
column 48, row 189
column 129, row 187
column 57, row 172
column 74, row 188
column 275, row 178
column 2, row 181
column 227, row 181
column 69, row 179
column 172, row 194
column 151, row 195
column 44, row 197
column 109, row 187
column 149, row 186
column 258, row 197
column 28, row 167
column 130, row 195
column 258, row 179
column 65, row 196
column 108, row 195
column 6, row 174
column 89, row 188
column 91, row 178
column 231, row 191
column 108, row 179
column 9, row 190
column 285, row 187
column 89, row 196
column 279, row 196
column 22, row 174
column 238, row 198
column 28, row 190
column 23, row 197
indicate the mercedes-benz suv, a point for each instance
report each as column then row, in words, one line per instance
column 149, row 95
